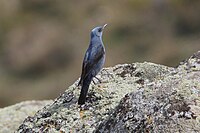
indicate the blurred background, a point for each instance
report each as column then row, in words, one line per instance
column 42, row 42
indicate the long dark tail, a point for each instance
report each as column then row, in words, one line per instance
column 84, row 89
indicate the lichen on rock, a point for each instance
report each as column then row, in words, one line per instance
column 137, row 97
column 167, row 105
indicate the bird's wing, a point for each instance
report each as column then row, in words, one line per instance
column 83, row 68
column 91, row 58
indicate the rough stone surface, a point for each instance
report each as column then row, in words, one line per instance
column 11, row 117
column 169, row 104
column 138, row 97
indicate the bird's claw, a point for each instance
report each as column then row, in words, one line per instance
column 97, row 79
column 107, row 73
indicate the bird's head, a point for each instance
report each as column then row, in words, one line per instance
column 98, row 31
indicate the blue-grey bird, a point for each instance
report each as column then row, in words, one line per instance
column 93, row 62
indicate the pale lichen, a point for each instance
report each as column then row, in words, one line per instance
column 138, row 97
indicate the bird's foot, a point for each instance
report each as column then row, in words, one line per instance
column 93, row 82
column 107, row 73
column 99, row 81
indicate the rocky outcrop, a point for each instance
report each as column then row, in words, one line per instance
column 169, row 103
column 138, row 97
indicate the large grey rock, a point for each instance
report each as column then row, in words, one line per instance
column 138, row 97
column 12, row 116
column 170, row 103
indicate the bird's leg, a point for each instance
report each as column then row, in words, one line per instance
column 98, row 79
column 95, row 82
column 107, row 73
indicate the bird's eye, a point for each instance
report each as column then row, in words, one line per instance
column 99, row 30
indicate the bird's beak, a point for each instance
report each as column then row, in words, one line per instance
column 105, row 25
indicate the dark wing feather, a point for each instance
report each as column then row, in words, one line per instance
column 83, row 69
column 90, row 60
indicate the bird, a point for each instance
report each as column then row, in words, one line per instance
column 93, row 61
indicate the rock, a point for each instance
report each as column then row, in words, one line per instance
column 12, row 116
column 137, row 97
column 169, row 104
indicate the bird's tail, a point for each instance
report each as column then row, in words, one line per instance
column 84, row 89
